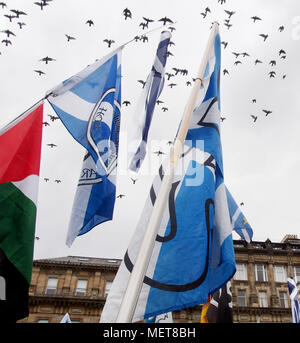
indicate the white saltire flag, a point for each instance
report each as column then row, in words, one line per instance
column 66, row 318
column 20, row 155
column 293, row 291
column 193, row 254
column 143, row 115
column 238, row 221
column 89, row 106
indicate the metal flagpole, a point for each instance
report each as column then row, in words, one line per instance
column 135, row 283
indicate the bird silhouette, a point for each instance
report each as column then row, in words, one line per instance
column 267, row 112
column 6, row 42
column 47, row 59
column 10, row 17
column 57, row 181
column 236, row 54
column 21, row 24
column 52, row 118
column 257, row 61
column 46, row 179
column 164, row 109
column 143, row 25
column 3, row 4
column 281, row 51
column 40, row 72
column 255, row 18
column 222, row 119
column 159, row 152
column 228, row 25
column 37, row 238
column 169, row 75
column 272, row 73
column 244, row 54
column 230, row 13
column 224, row 44
column 121, row 196
column 52, row 145
column 144, row 38
column 159, row 102
column 254, row 118
column 127, row 13
column 171, row 85
column 171, row 28
column 142, row 82
column 188, row 83
column 133, row 180
column 281, row 28
column 69, row 37
column 18, row 13
column 46, row 123
column 109, row 42
column 225, row 71
column 264, row 36
column 90, row 22
column 42, row 4
column 253, row 101
column 8, row 33
column 273, row 63
column 147, row 20
column 222, row 1
column 237, row 62
column 166, row 20
column 241, row 204
column 170, row 143
column 126, row 103
column 284, row 76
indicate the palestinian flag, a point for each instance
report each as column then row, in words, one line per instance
column 20, row 152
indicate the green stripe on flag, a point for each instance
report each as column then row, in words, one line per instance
column 17, row 227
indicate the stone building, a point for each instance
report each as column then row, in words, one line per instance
column 79, row 285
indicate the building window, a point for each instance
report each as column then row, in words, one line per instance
column 297, row 274
column 81, row 288
column 283, row 299
column 43, row 321
column 51, row 285
column 280, row 274
column 107, row 288
column 241, row 272
column 241, row 298
column 263, row 299
column 261, row 272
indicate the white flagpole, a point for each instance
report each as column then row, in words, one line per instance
column 135, row 283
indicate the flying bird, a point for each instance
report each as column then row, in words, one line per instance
column 171, row 28
column 10, row 17
column 241, row 204
column 254, row 118
column 225, row 71
column 267, row 112
column 133, row 180
column 230, row 13
column 126, row 103
column 18, row 13
column 69, row 37
column 169, row 75
column 171, row 85
column 41, row 4
column 40, row 72
column 21, row 24
column 46, row 123
column 255, row 18
column 159, row 153
column 109, row 42
column 120, row 196
column 90, row 22
column 144, row 38
column 273, row 63
column 272, row 73
column 144, row 25
column 257, row 61
column 6, row 41
column 8, row 33
column 264, row 36
column 46, row 179
column 148, row 20
column 127, row 13
column 236, row 54
column 224, row 44
column 52, row 118
column 253, row 101
column 188, row 83
column 37, row 238
column 52, row 145
column 222, row 119
column 228, row 25
column 159, row 102
column 244, row 54
column 142, row 82
column 237, row 62
column 281, row 51
column 164, row 109
column 3, row 4
column 47, row 59
column 57, row 181
column 166, row 20
column 281, row 28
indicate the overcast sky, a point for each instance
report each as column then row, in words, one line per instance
column 261, row 159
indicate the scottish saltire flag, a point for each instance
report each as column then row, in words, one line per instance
column 66, row 318
column 238, row 220
column 293, row 291
column 89, row 106
column 146, row 105
column 193, row 254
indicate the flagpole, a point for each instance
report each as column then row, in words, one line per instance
column 135, row 283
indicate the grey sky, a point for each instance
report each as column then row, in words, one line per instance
column 261, row 159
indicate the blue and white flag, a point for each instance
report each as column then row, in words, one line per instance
column 193, row 254
column 66, row 318
column 293, row 290
column 238, row 221
column 143, row 115
column 89, row 106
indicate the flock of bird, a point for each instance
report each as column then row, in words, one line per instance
column 171, row 76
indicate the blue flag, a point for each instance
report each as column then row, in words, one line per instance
column 193, row 255
column 293, row 291
column 238, row 220
column 89, row 106
column 144, row 112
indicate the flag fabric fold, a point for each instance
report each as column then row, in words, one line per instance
column 193, row 254
column 88, row 104
column 20, row 153
column 146, row 105
column 293, row 291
